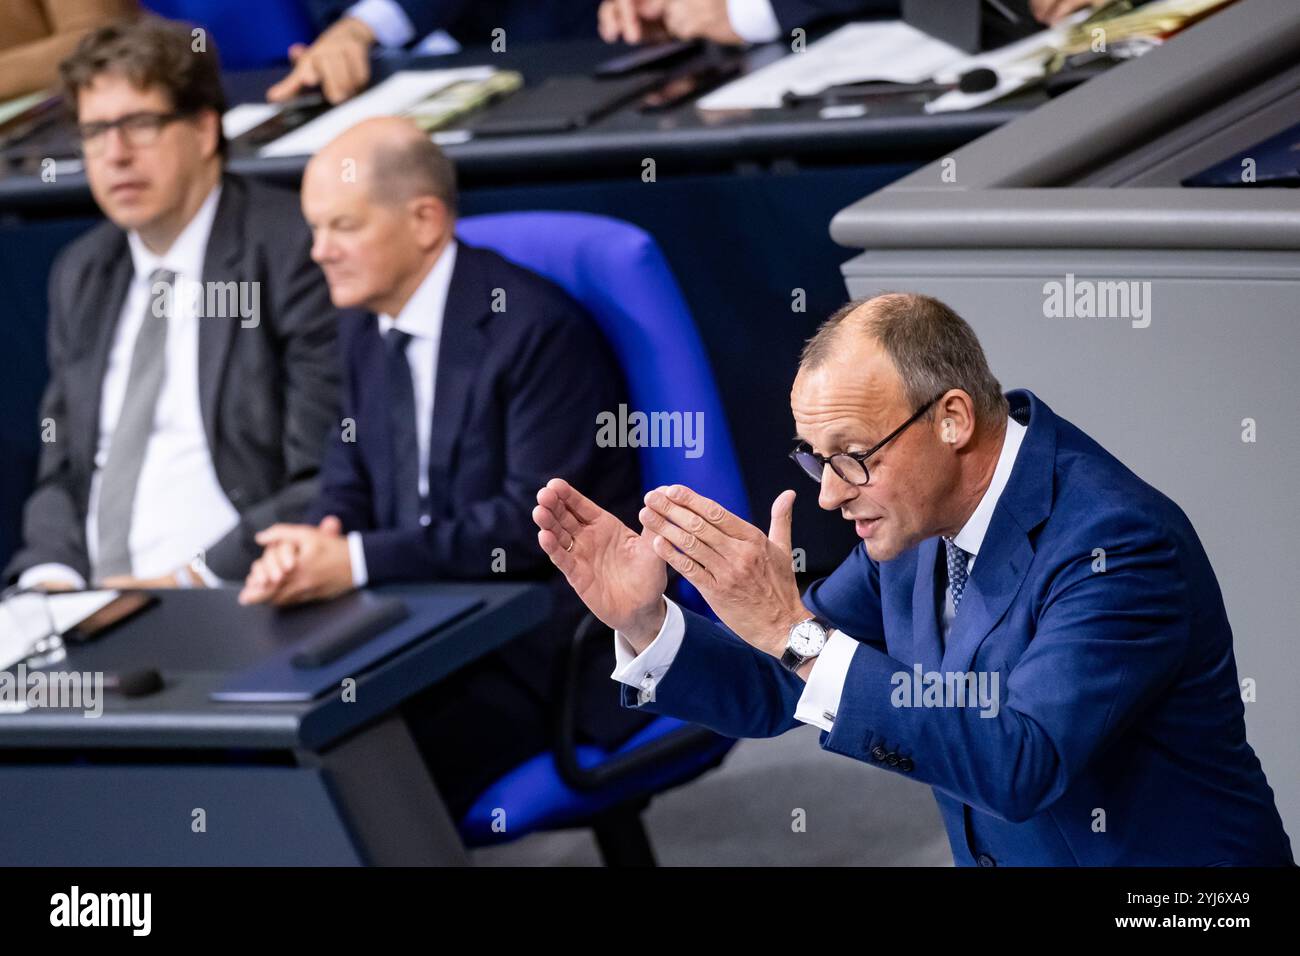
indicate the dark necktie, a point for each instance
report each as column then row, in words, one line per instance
column 401, row 427
column 131, row 434
column 957, row 559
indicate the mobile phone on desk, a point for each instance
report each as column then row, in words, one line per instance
column 644, row 57
column 123, row 607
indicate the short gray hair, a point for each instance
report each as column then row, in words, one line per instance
column 416, row 167
column 931, row 346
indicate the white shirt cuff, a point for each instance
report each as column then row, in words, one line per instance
column 199, row 568
column 386, row 20
column 51, row 573
column 357, row 555
column 820, row 699
column 753, row 20
column 645, row 670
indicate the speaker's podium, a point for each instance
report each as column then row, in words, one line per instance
column 274, row 739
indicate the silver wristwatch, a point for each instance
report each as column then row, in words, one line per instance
column 806, row 640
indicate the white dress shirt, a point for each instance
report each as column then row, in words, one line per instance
column 393, row 28
column 820, row 699
column 753, row 20
column 421, row 318
column 180, row 508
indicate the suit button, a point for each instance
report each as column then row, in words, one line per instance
column 906, row 764
column 236, row 495
column 986, row 860
column 892, row 759
column 877, row 752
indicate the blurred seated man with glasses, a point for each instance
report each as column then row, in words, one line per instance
column 192, row 344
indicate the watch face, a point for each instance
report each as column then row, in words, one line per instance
column 807, row 639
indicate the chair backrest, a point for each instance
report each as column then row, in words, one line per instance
column 248, row 33
column 618, row 273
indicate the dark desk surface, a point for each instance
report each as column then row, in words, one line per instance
column 181, row 715
column 681, row 140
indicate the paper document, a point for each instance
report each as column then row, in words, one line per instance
column 240, row 119
column 27, row 618
column 390, row 98
column 1016, row 64
column 17, row 106
column 890, row 51
column 71, row 608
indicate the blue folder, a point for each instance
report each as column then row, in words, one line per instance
column 277, row 680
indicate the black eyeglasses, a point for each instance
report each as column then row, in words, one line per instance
column 137, row 129
column 850, row 466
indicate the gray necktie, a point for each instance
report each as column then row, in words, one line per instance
column 126, row 450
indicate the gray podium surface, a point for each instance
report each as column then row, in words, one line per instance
column 176, row 779
column 1185, row 366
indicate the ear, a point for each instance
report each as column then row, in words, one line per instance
column 209, row 126
column 955, row 418
column 430, row 219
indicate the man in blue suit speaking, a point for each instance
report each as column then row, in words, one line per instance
column 1026, row 625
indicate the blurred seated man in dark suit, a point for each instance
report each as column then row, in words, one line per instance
column 339, row 61
column 192, row 355
column 467, row 381
column 761, row 21
column 724, row 21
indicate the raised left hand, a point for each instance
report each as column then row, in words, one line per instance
column 746, row 576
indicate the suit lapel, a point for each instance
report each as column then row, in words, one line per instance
column 118, row 271
column 1000, row 569
column 461, row 348
column 1006, row 552
column 372, row 407
column 216, row 334
column 925, row 623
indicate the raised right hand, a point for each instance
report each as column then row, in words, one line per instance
column 338, row 62
column 612, row 568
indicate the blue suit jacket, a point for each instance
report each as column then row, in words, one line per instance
column 532, row 20
column 472, row 21
column 1120, row 737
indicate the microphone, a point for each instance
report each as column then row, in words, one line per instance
column 979, row 80
column 137, row 683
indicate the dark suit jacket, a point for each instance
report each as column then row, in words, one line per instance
column 1116, row 682
column 472, row 21
column 268, row 394
column 800, row 13
column 516, row 399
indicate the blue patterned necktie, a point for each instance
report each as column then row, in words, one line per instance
column 956, row 571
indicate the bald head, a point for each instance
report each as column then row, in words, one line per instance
column 930, row 346
column 381, row 203
column 391, row 158
column 864, row 379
